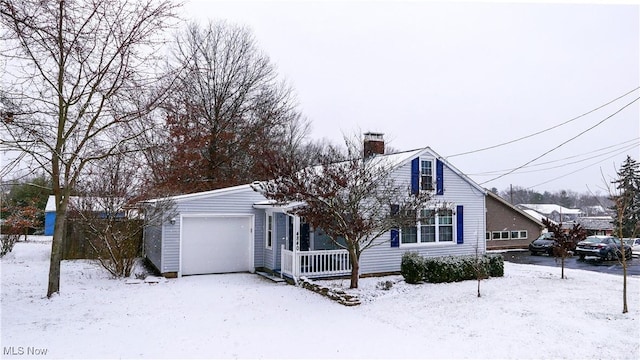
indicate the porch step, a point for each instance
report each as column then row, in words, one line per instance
column 271, row 277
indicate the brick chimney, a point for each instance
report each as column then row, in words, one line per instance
column 373, row 144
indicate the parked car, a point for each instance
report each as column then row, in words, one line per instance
column 604, row 247
column 635, row 245
column 543, row 244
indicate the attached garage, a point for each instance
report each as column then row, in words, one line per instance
column 216, row 244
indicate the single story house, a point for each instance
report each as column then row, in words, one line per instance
column 509, row 227
column 236, row 229
column 594, row 225
column 556, row 213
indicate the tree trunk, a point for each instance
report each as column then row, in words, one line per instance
column 625, row 309
column 56, row 253
column 355, row 269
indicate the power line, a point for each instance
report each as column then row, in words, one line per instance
column 573, row 172
column 626, row 145
column 565, row 142
column 545, row 130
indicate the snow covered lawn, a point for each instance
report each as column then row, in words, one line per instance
column 530, row 313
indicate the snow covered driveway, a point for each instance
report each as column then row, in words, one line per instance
column 530, row 313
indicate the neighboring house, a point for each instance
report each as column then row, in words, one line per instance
column 50, row 215
column 594, row 225
column 97, row 205
column 557, row 213
column 509, row 227
column 236, row 229
column 596, row 210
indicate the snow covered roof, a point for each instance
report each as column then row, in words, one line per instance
column 95, row 203
column 215, row 192
column 596, row 222
column 393, row 160
column 546, row 209
column 536, row 215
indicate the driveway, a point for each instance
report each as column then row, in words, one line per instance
column 590, row 263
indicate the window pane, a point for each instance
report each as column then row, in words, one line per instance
column 427, row 233
column 523, row 234
column 504, row 235
column 427, row 217
column 426, row 175
column 445, row 217
column 515, row 235
column 426, row 167
column 495, row 235
column 487, row 236
column 269, row 230
column 409, row 235
column 426, row 182
column 445, row 233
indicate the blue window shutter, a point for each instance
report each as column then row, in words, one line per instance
column 415, row 176
column 459, row 224
column 395, row 238
column 439, row 178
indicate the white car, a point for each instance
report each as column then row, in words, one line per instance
column 635, row 245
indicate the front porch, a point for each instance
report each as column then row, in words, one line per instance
column 314, row 263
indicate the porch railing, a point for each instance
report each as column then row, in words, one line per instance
column 315, row 263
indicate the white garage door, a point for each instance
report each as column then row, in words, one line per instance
column 216, row 244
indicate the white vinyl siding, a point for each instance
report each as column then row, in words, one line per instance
column 384, row 258
column 237, row 202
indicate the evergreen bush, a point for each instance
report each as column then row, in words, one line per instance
column 416, row 268
column 496, row 265
column 412, row 267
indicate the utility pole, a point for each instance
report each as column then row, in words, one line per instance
column 511, row 192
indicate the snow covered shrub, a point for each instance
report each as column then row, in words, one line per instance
column 384, row 285
column 412, row 267
column 495, row 265
column 460, row 268
column 8, row 241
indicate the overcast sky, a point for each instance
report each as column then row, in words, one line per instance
column 460, row 77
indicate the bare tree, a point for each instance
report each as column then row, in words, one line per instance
column 347, row 197
column 565, row 241
column 104, row 213
column 626, row 198
column 80, row 75
column 227, row 112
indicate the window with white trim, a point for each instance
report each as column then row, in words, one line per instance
column 519, row 234
column 508, row 235
column 426, row 175
column 269, row 237
column 433, row 226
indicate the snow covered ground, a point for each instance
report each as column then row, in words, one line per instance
column 529, row 313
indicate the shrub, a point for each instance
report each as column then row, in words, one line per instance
column 412, row 267
column 450, row 268
column 8, row 241
column 496, row 265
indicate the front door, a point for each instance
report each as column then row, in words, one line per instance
column 290, row 232
column 305, row 234
column 304, row 237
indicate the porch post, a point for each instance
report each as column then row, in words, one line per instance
column 296, row 245
column 282, row 262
